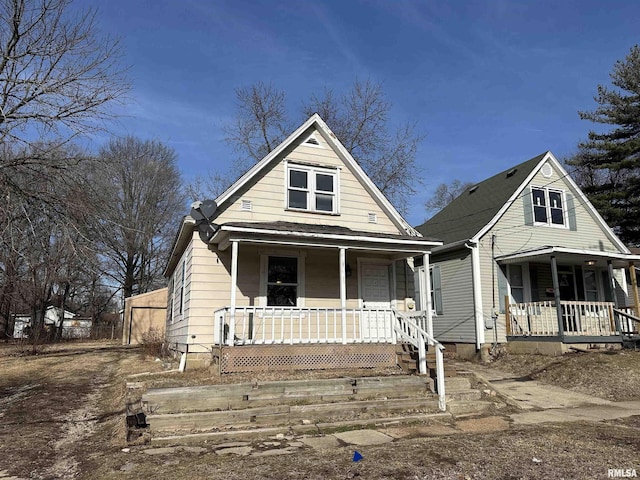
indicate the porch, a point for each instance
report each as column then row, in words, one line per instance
column 574, row 322
column 569, row 296
column 290, row 338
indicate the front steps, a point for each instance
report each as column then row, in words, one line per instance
column 250, row 410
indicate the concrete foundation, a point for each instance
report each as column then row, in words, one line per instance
column 540, row 348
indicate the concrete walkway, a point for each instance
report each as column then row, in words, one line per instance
column 541, row 403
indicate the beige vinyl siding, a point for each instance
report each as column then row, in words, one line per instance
column 268, row 193
column 209, row 282
column 512, row 235
column 457, row 322
column 178, row 324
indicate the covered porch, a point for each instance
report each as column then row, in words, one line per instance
column 307, row 294
column 570, row 296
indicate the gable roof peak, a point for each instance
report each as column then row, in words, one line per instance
column 323, row 129
column 474, row 208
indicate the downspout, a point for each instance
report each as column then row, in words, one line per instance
column 477, row 292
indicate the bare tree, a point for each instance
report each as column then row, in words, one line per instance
column 139, row 201
column 445, row 194
column 359, row 118
column 209, row 185
column 42, row 251
column 260, row 125
column 57, row 82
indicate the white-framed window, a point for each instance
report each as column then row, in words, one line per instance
column 282, row 281
column 436, row 289
column 313, row 189
column 548, row 207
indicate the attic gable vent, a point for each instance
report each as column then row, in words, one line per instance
column 511, row 172
column 473, row 189
column 373, row 218
column 246, row 206
column 312, row 141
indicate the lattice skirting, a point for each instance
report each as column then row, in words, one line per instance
column 257, row 358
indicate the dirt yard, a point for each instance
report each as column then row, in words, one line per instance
column 62, row 417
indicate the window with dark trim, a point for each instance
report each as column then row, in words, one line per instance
column 312, row 189
column 282, row 281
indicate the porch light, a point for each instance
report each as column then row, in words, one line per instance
column 347, row 270
column 590, row 263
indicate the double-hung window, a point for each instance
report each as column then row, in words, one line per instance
column 548, row 206
column 313, row 189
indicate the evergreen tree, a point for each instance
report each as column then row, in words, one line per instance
column 609, row 161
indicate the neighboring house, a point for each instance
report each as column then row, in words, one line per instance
column 74, row 326
column 527, row 257
column 144, row 315
column 301, row 263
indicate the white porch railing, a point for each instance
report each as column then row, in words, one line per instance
column 408, row 327
column 578, row 319
column 293, row 325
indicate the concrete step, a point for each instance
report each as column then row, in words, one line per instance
column 457, row 383
column 463, row 408
column 238, row 396
column 287, row 415
column 288, row 430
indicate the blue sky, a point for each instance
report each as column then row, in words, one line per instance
column 490, row 83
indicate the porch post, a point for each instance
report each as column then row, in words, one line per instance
column 427, row 296
column 343, row 292
column 612, row 280
column 556, row 294
column 234, row 286
column 634, row 285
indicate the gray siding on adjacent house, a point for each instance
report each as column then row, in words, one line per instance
column 456, row 323
column 511, row 234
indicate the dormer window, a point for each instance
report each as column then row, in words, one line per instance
column 313, row 189
column 548, row 207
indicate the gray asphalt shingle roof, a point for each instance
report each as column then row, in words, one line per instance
column 473, row 209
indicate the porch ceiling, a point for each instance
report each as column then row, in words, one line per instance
column 321, row 236
column 569, row 256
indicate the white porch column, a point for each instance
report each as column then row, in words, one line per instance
column 556, row 294
column 427, row 295
column 343, row 292
column 234, row 287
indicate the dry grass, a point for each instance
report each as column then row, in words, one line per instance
column 609, row 375
column 62, row 416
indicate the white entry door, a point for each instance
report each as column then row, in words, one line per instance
column 376, row 301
